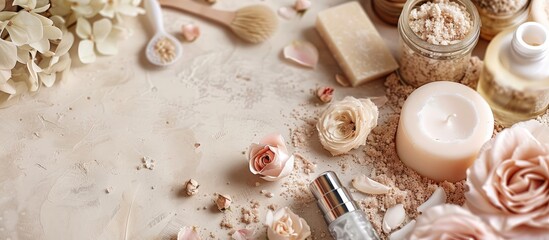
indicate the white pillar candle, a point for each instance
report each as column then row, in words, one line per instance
column 442, row 127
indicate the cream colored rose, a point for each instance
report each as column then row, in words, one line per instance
column 286, row 225
column 509, row 182
column 270, row 159
column 345, row 125
column 451, row 222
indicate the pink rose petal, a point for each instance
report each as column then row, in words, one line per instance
column 243, row 234
column 303, row 53
column 287, row 13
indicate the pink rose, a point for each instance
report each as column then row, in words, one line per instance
column 270, row 159
column 451, row 222
column 509, row 182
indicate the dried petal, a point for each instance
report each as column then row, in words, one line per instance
column 287, row 13
column 325, row 94
column 404, row 232
column 302, row 5
column 303, row 53
column 394, row 216
column 8, row 54
column 223, row 202
column 190, row 32
column 191, row 187
column 244, row 234
column 438, row 197
column 367, row 185
column 188, row 233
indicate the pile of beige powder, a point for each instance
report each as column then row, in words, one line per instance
column 501, row 7
column 440, row 22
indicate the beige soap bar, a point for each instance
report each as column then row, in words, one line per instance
column 355, row 43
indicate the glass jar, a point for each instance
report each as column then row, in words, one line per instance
column 515, row 78
column 493, row 23
column 388, row 10
column 422, row 62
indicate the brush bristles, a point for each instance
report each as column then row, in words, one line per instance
column 254, row 23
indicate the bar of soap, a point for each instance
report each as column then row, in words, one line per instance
column 355, row 43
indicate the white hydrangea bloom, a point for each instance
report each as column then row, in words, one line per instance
column 101, row 36
column 23, row 27
column 116, row 8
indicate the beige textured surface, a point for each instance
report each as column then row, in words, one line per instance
column 62, row 148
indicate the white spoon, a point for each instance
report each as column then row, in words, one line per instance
column 163, row 49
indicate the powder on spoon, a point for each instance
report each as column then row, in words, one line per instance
column 165, row 49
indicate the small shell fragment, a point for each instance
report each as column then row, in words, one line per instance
column 367, row 185
column 190, row 32
column 223, row 202
column 438, row 197
column 404, row 232
column 191, row 187
column 325, row 94
column 394, row 216
column 303, row 53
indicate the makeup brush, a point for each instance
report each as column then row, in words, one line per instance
column 253, row 23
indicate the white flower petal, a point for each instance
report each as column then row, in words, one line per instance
column 2, row 4
column 47, row 79
column 188, row 233
column 42, row 45
column 7, row 88
column 86, row 53
column 101, row 29
column 404, row 232
column 5, row 75
column 65, row 44
column 288, row 167
column 437, row 198
column 367, row 185
column 52, row 32
column 243, row 234
column 303, row 53
column 8, row 54
column 25, row 28
column 108, row 46
column 130, row 10
column 83, row 28
column 42, row 8
column 287, row 13
column 394, row 216
column 6, row 16
column 28, row 4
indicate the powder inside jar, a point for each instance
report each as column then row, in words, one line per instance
column 164, row 48
column 440, row 22
column 501, row 7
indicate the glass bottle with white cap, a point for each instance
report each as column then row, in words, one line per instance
column 344, row 218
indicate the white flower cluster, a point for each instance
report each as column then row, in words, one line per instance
column 35, row 37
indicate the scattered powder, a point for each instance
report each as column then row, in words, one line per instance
column 501, row 7
column 272, row 207
column 147, row 163
column 307, row 166
column 165, row 49
column 250, row 214
column 108, row 190
column 226, row 223
column 441, row 22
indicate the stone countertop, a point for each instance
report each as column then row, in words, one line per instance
column 61, row 149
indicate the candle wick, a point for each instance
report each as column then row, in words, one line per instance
column 453, row 115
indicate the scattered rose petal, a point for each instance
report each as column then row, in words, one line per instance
column 303, row 53
column 188, row 233
column 192, row 187
column 367, row 185
column 342, row 80
column 379, row 101
column 287, row 13
column 243, row 234
column 438, row 197
column 223, row 202
column 404, row 232
column 302, row 5
column 394, row 216
column 190, row 32
column 325, row 94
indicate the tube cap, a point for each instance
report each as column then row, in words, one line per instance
column 333, row 199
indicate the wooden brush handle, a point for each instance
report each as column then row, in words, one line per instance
column 223, row 17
